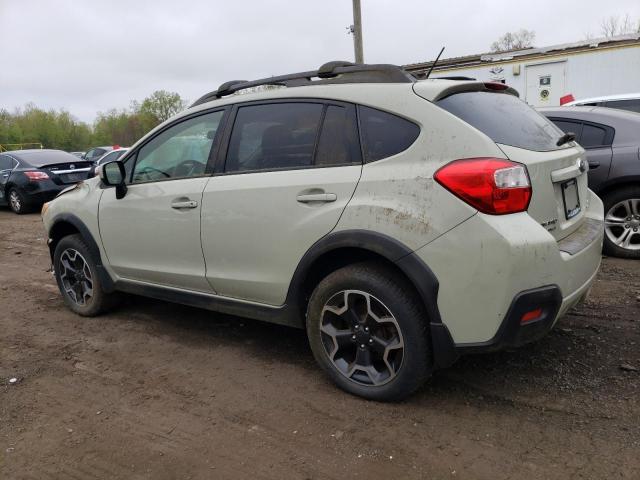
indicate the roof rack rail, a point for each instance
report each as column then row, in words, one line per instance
column 328, row 73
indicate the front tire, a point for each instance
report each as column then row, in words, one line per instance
column 368, row 331
column 622, row 223
column 78, row 279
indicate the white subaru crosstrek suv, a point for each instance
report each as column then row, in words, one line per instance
column 403, row 223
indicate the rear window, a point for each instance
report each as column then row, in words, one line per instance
column 505, row 119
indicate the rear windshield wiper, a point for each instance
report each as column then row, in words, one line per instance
column 566, row 138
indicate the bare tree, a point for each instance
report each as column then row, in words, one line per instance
column 614, row 25
column 519, row 40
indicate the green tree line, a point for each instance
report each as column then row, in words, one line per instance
column 60, row 130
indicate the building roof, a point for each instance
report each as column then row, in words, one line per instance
column 489, row 58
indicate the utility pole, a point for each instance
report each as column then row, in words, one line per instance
column 356, row 29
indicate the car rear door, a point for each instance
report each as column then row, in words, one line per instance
column 6, row 165
column 152, row 235
column 596, row 140
column 286, row 173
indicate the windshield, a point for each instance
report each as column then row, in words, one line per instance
column 505, row 119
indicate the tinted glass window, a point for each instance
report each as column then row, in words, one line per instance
column 181, row 151
column 6, row 163
column 568, row 126
column 96, row 153
column 384, row 134
column 338, row 143
column 592, row 136
column 278, row 135
column 632, row 105
column 505, row 119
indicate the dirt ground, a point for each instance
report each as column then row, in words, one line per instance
column 162, row 391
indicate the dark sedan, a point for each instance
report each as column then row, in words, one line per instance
column 28, row 178
column 611, row 139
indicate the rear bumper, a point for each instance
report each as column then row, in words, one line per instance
column 40, row 192
column 488, row 264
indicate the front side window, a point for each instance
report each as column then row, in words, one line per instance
column 384, row 134
column 181, row 151
column 273, row 136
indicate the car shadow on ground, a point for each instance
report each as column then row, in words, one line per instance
column 542, row 367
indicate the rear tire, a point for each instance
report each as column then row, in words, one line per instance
column 368, row 331
column 622, row 222
column 78, row 279
column 18, row 201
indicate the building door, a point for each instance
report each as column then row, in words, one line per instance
column 545, row 84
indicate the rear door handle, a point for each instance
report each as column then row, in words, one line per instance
column 179, row 205
column 317, row 197
column 594, row 164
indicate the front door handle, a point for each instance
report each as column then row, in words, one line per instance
column 317, row 197
column 179, row 205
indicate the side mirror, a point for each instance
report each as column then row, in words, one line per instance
column 113, row 174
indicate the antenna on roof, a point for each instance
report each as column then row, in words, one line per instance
column 434, row 63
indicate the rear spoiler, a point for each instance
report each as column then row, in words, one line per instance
column 476, row 87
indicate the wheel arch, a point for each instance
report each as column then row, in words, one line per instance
column 618, row 183
column 67, row 224
column 343, row 248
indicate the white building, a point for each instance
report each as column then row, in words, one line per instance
column 592, row 68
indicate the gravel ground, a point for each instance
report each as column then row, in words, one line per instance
column 161, row 391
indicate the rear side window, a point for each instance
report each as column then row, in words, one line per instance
column 338, row 143
column 273, row 136
column 6, row 163
column 568, row 126
column 592, row 136
column 505, row 119
column 384, row 134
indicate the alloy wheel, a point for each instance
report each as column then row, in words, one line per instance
column 14, row 201
column 75, row 276
column 622, row 224
column 361, row 337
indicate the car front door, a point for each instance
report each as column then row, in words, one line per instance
column 290, row 167
column 153, row 234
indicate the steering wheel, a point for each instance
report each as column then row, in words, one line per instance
column 145, row 171
column 190, row 168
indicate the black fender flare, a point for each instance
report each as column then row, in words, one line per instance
column 87, row 237
column 409, row 263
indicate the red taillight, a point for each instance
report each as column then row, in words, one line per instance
column 36, row 175
column 491, row 185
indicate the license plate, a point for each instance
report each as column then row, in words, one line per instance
column 571, row 198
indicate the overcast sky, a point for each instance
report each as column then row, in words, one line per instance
column 88, row 56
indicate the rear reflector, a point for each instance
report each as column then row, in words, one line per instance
column 35, row 175
column 531, row 316
column 491, row 185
